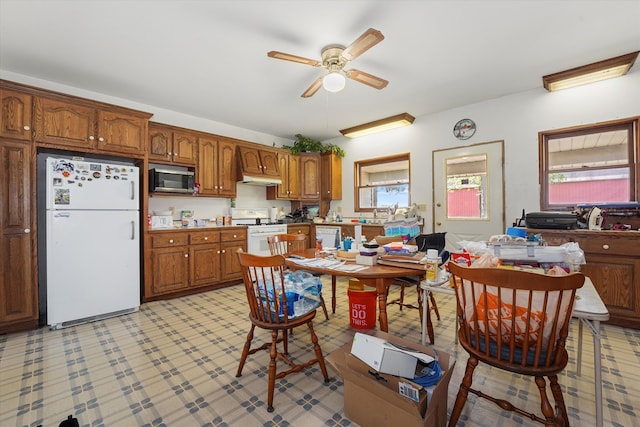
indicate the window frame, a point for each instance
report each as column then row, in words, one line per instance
column 377, row 161
column 631, row 125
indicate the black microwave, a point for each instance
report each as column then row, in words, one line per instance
column 170, row 181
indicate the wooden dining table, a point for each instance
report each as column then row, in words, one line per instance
column 378, row 276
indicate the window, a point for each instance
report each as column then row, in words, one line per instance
column 589, row 164
column 467, row 187
column 382, row 182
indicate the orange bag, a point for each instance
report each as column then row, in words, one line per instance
column 489, row 314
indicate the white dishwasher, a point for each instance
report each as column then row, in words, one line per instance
column 330, row 236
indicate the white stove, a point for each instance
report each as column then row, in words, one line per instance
column 258, row 228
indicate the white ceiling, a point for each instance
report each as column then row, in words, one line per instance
column 209, row 58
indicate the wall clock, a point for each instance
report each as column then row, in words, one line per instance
column 464, row 129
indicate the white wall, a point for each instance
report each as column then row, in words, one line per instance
column 516, row 119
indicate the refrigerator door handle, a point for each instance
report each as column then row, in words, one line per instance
column 133, row 230
column 133, row 190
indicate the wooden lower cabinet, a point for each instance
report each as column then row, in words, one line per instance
column 301, row 229
column 189, row 261
column 230, row 243
column 613, row 264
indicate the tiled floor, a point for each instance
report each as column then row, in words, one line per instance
column 173, row 363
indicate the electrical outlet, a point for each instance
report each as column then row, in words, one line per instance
column 422, row 207
column 339, row 209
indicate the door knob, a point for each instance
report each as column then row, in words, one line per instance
column 438, row 223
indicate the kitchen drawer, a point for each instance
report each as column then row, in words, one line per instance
column 298, row 229
column 168, row 240
column 608, row 245
column 203, row 237
column 239, row 234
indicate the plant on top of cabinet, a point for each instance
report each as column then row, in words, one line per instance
column 305, row 144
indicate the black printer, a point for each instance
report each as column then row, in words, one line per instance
column 552, row 220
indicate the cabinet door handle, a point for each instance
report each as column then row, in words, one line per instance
column 91, row 137
column 27, row 230
column 25, row 127
column 186, row 255
column 224, row 251
column 235, row 235
column 605, row 246
column 206, row 238
column 101, row 139
column 170, row 240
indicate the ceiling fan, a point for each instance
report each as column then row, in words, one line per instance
column 334, row 59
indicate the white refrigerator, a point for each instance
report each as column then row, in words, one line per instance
column 92, row 241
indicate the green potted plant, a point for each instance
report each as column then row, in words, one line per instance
column 304, row 144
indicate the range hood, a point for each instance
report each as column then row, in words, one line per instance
column 264, row 181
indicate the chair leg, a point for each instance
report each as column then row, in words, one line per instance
column 561, row 409
column 318, row 350
column 401, row 296
column 245, row 350
column 545, row 405
column 463, row 392
column 285, row 340
column 434, row 305
column 324, row 307
column 273, row 353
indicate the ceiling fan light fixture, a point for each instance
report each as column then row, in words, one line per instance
column 334, row 81
column 404, row 119
column 602, row 70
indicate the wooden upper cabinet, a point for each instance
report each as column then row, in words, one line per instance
column 227, row 166
column 256, row 161
column 62, row 123
column 121, row 133
column 185, row 145
column 290, row 175
column 82, row 126
column 310, row 176
column 331, row 173
column 15, row 117
column 216, row 167
column 170, row 145
column 270, row 165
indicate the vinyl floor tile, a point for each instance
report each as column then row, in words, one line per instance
column 173, row 363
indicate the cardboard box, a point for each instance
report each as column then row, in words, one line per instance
column 372, row 399
column 386, row 358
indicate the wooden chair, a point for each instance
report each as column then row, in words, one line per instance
column 517, row 321
column 269, row 309
column 424, row 242
column 282, row 244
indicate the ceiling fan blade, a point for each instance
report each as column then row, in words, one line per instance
column 366, row 41
column 366, row 78
column 311, row 90
column 293, row 58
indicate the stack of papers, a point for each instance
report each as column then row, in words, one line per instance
column 331, row 264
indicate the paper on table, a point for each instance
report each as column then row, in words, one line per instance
column 351, row 268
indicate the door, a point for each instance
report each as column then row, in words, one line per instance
column 93, row 263
column 87, row 185
column 468, row 192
